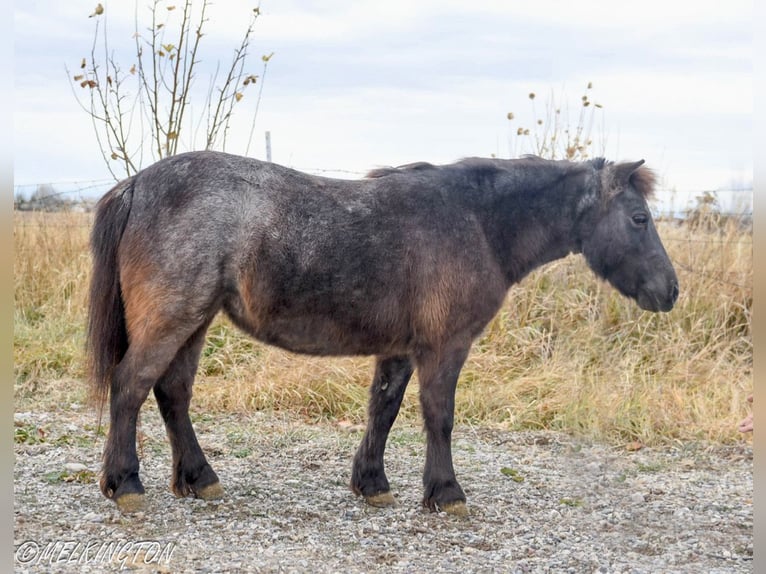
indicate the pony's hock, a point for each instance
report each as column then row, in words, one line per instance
column 408, row 265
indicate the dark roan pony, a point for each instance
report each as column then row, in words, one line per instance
column 408, row 265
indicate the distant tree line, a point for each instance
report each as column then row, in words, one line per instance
column 46, row 198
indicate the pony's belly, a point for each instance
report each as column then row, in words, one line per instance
column 325, row 336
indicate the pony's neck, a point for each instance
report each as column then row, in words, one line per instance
column 531, row 226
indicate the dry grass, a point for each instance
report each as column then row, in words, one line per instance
column 565, row 352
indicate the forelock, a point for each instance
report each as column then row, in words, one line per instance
column 642, row 179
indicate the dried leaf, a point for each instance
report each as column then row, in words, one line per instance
column 115, row 156
column 98, row 11
column 172, row 135
column 78, row 77
column 109, row 80
column 83, row 64
column 238, row 96
column 266, row 58
column 133, row 69
column 171, row 8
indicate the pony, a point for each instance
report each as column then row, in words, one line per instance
column 408, row 264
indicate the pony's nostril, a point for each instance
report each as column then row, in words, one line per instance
column 674, row 292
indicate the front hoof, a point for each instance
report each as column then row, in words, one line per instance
column 210, row 492
column 381, row 500
column 131, row 502
column 446, row 497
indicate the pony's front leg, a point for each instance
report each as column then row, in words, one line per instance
column 438, row 374
column 368, row 477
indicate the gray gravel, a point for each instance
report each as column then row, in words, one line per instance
column 539, row 502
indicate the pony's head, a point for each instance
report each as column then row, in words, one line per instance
column 619, row 239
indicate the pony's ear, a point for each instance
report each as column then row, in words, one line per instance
column 634, row 174
column 623, row 171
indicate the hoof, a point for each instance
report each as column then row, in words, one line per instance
column 211, row 492
column 455, row 508
column 381, row 500
column 131, row 502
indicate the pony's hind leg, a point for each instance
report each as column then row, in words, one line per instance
column 368, row 477
column 192, row 473
column 143, row 364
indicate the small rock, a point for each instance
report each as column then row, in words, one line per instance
column 593, row 467
column 75, row 467
column 637, row 498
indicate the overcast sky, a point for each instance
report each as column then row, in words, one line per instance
column 355, row 85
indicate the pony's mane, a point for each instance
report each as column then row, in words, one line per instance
column 643, row 179
column 467, row 163
column 384, row 171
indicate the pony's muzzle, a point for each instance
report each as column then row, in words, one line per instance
column 658, row 298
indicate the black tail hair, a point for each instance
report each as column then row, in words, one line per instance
column 107, row 336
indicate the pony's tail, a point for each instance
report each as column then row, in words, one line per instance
column 107, row 336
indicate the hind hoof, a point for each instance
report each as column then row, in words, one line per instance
column 131, row 502
column 458, row 509
column 211, row 492
column 381, row 500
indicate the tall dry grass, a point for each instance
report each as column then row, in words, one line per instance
column 565, row 352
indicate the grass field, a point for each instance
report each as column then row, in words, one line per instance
column 566, row 351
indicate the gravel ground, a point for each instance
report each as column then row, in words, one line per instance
column 539, row 502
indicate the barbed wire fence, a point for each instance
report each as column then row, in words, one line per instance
column 58, row 195
column 702, row 224
column 714, row 211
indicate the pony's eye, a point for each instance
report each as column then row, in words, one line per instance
column 640, row 219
